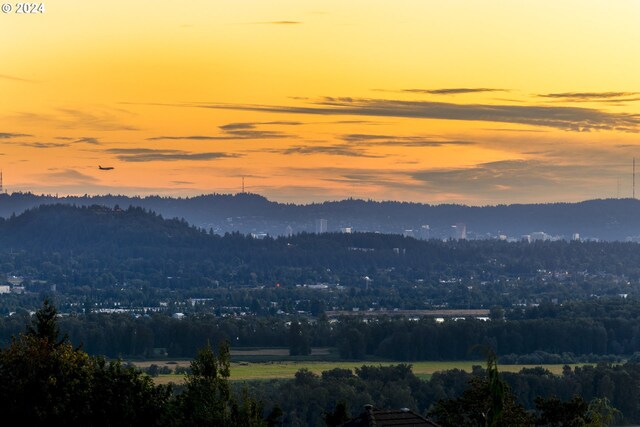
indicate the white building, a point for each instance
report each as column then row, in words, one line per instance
column 539, row 236
column 424, row 233
column 321, row 225
column 459, row 231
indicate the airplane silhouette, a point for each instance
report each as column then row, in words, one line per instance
column 105, row 168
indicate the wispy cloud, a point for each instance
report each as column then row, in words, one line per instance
column 98, row 120
column 15, row 79
column 512, row 177
column 88, row 140
column 611, row 98
column 387, row 180
column 10, row 135
column 515, row 130
column 68, row 176
column 186, row 137
column 152, row 155
column 402, row 141
column 69, row 118
column 560, row 117
column 333, row 150
column 279, row 22
column 234, row 131
column 69, row 141
column 230, row 136
column 252, row 125
column 587, row 96
column 299, row 193
column 518, row 180
column 453, row 91
column 42, row 144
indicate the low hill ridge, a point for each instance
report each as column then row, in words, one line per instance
column 606, row 219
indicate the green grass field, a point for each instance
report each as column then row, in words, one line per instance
column 248, row 371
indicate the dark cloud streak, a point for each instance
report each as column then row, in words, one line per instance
column 279, row 22
column 252, row 125
column 453, row 91
column 88, row 140
column 587, row 96
column 514, row 176
column 559, row 117
column 15, row 79
column 150, row 155
column 69, row 175
column 10, row 135
column 333, row 150
column 402, row 141
column 234, row 131
column 42, row 144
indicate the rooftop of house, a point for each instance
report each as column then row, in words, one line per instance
column 388, row 418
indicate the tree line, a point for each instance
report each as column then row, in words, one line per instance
column 594, row 330
column 45, row 380
column 582, row 396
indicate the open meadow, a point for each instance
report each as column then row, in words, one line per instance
column 249, row 371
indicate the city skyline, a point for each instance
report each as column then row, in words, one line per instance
column 436, row 102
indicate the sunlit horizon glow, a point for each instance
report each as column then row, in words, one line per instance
column 437, row 102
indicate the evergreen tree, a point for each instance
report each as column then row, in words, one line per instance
column 298, row 340
column 339, row 416
column 488, row 401
column 44, row 380
column 206, row 399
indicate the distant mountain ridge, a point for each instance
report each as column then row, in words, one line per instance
column 608, row 219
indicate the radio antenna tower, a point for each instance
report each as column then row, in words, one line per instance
column 634, row 178
column 243, row 185
column 1, row 187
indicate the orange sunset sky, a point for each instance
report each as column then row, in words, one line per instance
column 463, row 101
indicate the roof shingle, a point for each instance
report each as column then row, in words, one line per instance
column 388, row 418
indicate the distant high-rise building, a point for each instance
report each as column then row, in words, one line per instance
column 288, row 231
column 575, row 237
column 424, row 233
column 409, row 233
column 321, row 226
column 459, row 231
column 539, row 236
column 347, row 230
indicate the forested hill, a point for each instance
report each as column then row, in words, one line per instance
column 134, row 233
column 610, row 219
column 95, row 228
column 135, row 255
